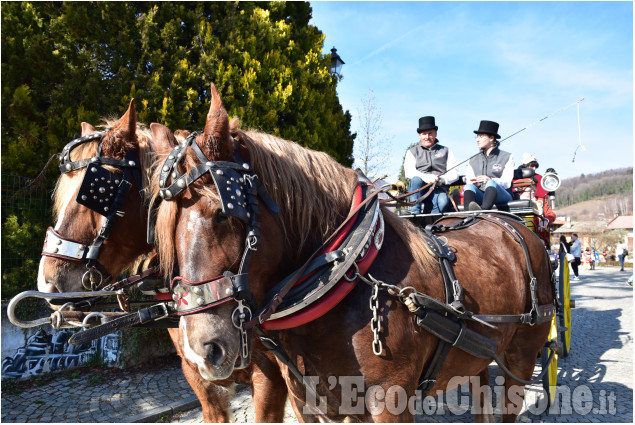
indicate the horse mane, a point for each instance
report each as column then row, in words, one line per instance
column 314, row 193
column 71, row 181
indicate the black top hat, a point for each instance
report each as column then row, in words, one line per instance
column 426, row 123
column 488, row 127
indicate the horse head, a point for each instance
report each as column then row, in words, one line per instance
column 98, row 201
column 209, row 223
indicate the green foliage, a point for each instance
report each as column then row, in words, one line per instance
column 264, row 58
column 64, row 63
column 598, row 185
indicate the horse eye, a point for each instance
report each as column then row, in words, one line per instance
column 220, row 216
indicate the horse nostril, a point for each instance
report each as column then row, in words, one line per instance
column 214, row 353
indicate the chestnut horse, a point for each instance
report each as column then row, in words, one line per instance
column 314, row 195
column 126, row 242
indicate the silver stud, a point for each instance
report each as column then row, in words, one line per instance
column 55, row 250
column 233, row 197
column 106, row 209
column 94, row 159
column 94, row 197
column 174, row 174
column 84, row 197
column 200, row 301
column 219, row 172
column 168, row 194
column 232, row 179
column 161, row 183
column 229, row 292
column 248, row 215
column 82, row 247
column 101, row 201
column 245, row 166
column 238, row 192
column 92, row 190
column 112, row 187
column 102, row 189
column 230, row 206
column 117, row 181
column 68, row 167
column 103, row 178
column 171, row 157
column 229, row 189
column 209, row 163
column 131, row 163
column 108, row 182
column 161, row 194
column 58, row 242
column 197, row 290
column 241, row 180
column 92, row 184
column 179, row 155
column 166, row 168
column 181, row 183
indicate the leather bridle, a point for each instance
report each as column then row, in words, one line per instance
column 102, row 191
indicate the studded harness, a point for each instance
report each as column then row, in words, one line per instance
column 102, row 191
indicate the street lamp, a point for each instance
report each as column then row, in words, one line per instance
column 336, row 62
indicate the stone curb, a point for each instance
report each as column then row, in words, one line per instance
column 153, row 415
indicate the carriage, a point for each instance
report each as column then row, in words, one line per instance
column 528, row 211
column 230, row 273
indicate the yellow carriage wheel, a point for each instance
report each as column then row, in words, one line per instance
column 564, row 291
column 550, row 379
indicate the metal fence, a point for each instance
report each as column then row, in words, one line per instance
column 26, row 214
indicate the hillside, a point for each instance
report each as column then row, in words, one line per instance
column 596, row 196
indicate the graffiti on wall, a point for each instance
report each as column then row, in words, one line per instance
column 46, row 352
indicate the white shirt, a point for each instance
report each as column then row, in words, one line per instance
column 410, row 169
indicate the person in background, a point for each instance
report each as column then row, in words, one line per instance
column 489, row 174
column 426, row 163
column 576, row 251
column 619, row 251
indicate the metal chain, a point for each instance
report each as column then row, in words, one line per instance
column 375, row 322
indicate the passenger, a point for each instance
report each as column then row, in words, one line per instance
column 530, row 161
column 427, row 163
column 539, row 195
column 490, row 173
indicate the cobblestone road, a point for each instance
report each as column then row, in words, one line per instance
column 598, row 374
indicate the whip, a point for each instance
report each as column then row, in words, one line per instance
column 577, row 102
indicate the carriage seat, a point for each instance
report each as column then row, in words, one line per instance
column 516, row 206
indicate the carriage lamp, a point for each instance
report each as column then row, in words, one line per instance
column 336, row 62
column 550, row 181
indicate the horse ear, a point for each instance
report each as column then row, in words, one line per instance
column 162, row 138
column 217, row 142
column 87, row 129
column 123, row 135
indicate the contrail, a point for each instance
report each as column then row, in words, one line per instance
column 387, row 45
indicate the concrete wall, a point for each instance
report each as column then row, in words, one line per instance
column 32, row 351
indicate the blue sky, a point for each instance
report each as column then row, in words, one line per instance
column 509, row 62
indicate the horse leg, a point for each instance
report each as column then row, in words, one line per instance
column 521, row 362
column 481, row 397
column 214, row 398
column 268, row 388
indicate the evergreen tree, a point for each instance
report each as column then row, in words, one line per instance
column 63, row 63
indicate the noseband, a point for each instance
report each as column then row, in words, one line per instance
column 101, row 191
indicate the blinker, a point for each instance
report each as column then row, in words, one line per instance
column 102, row 202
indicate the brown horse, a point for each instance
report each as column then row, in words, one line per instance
column 314, row 195
column 126, row 242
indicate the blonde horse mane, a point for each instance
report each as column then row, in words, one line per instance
column 313, row 191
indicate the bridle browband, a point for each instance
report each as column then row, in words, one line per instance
column 102, row 191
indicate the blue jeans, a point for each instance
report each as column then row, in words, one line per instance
column 436, row 203
column 502, row 195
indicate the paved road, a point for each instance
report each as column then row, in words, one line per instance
column 598, row 373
